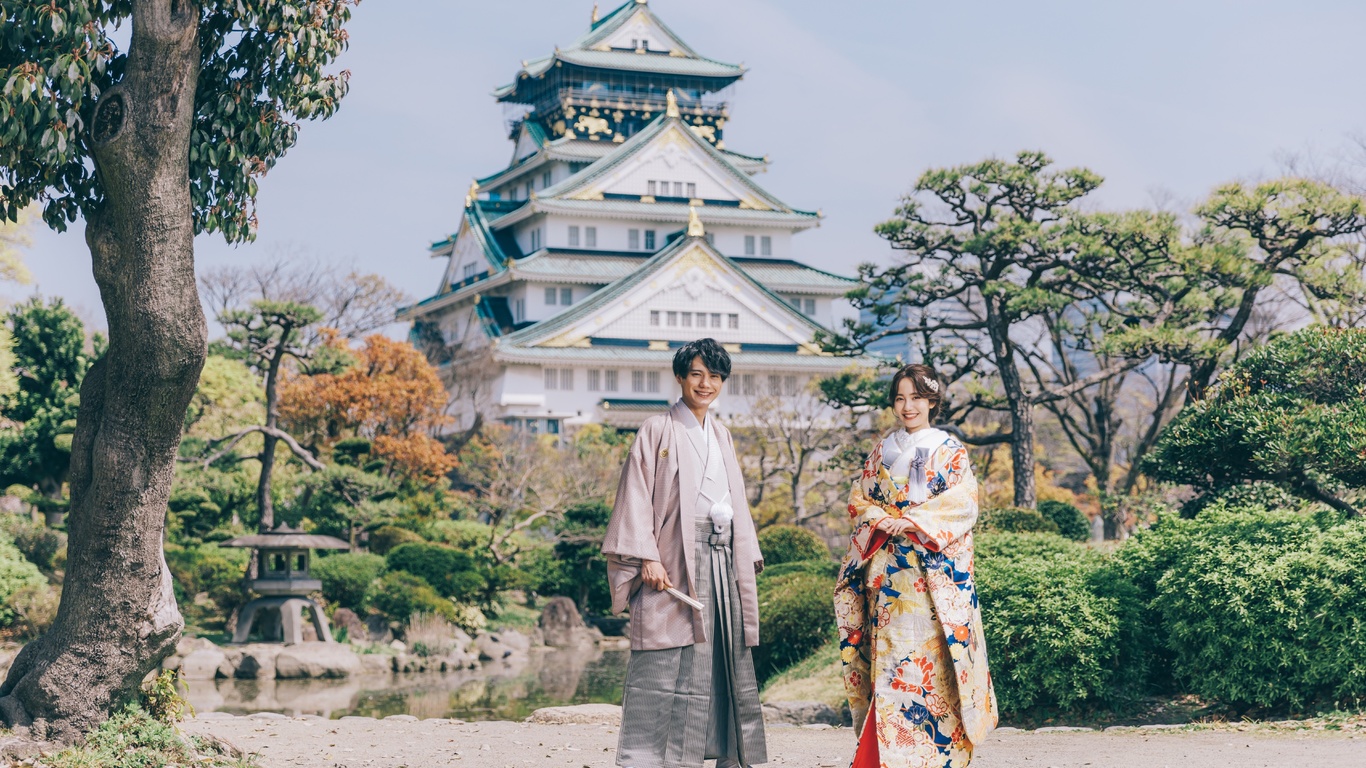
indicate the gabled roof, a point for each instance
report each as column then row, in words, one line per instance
column 574, row 325
column 584, row 185
column 595, row 49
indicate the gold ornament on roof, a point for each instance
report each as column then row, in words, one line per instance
column 671, row 104
column 473, row 194
column 594, row 20
column 695, row 224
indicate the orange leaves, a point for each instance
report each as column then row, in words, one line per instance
column 392, row 396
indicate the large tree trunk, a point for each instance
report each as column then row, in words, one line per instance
column 118, row 618
column 1021, row 408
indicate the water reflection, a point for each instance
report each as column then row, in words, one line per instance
column 497, row 691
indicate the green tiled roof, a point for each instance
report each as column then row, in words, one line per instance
column 676, row 212
column 640, row 141
column 585, row 267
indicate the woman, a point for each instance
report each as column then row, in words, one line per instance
column 915, row 662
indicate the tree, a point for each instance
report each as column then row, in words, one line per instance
column 1292, row 412
column 151, row 145
column 1288, row 229
column 991, row 248
column 49, row 347
column 390, row 396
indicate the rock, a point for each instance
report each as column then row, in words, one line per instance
column 501, row 645
column 398, row 645
column 316, row 660
column 376, row 664
column 377, row 630
column 1007, row 729
column 267, row 716
column 1163, row 726
column 561, row 625
column 345, row 618
column 258, row 661
column 801, row 713
column 358, row 717
column 402, row 718
column 590, row 714
column 12, row 505
column 1061, row 729
column 202, row 663
column 214, row 716
column 308, row 633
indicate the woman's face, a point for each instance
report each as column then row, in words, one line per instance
column 912, row 409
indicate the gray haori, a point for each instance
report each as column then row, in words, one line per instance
column 700, row 701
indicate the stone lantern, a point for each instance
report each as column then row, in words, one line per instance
column 283, row 581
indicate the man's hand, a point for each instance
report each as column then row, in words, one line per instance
column 652, row 573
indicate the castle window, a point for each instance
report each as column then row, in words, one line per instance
column 716, row 319
column 468, row 271
column 678, row 189
column 749, row 245
column 692, row 189
column 550, row 295
column 536, row 239
column 775, row 384
column 574, row 236
column 519, row 310
column 594, row 380
column 809, row 307
column 590, row 237
column 633, row 239
column 650, row 188
column 765, row 246
column 654, row 317
column 609, row 381
column 649, row 239
column 687, row 319
column 673, row 319
column 545, row 179
column 733, row 321
column 790, row 386
column 552, row 379
column 747, row 383
column 637, row 381
column 733, row 385
column 566, row 296
column 567, row 379
column 652, row 381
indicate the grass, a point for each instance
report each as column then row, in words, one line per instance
column 516, row 616
column 132, row 739
column 815, row 678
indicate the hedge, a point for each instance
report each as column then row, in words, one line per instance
column 796, row 616
column 347, row 576
column 790, row 544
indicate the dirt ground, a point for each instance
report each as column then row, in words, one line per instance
column 366, row 743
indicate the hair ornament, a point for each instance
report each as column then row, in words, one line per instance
column 930, row 384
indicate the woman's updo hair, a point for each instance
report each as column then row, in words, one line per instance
column 925, row 382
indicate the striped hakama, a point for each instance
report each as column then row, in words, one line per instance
column 700, row 701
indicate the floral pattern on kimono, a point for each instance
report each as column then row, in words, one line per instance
column 911, row 642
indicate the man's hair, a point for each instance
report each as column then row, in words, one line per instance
column 925, row 382
column 713, row 355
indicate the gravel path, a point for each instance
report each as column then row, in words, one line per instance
column 367, row 743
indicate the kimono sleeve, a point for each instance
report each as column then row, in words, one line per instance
column 631, row 529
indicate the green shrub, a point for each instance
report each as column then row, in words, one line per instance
column 452, row 573
column 1258, row 608
column 347, row 576
column 35, row 608
column 399, row 594
column 466, row 535
column 1016, row 520
column 1071, row 522
column 42, row 546
column 387, row 537
column 790, row 544
column 16, row 572
column 131, row 738
column 1062, row 627
column 210, row 570
column 827, row 569
column 796, row 616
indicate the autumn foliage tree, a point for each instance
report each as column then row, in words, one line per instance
column 391, row 396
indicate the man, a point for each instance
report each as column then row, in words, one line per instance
column 681, row 523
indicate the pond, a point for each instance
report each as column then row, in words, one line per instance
column 496, row 691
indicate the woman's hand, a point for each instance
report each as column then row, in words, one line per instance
column 652, row 573
column 897, row 526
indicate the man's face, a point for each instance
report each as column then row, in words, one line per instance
column 701, row 386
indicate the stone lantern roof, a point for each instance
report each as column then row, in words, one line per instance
column 284, row 537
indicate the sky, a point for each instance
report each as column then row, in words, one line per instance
column 851, row 101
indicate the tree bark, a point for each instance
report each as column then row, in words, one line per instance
column 1021, row 407
column 264, row 501
column 118, row 617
